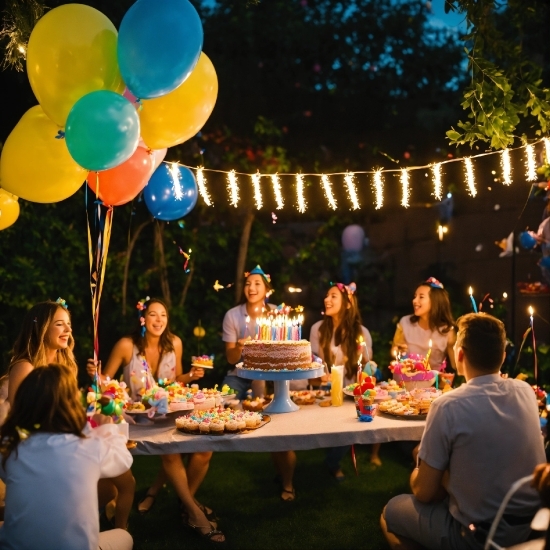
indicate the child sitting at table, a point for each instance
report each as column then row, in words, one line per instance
column 51, row 466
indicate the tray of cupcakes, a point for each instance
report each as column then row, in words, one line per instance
column 220, row 421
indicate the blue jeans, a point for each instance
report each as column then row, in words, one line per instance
column 240, row 385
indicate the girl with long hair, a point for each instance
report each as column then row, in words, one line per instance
column 45, row 338
column 341, row 339
column 432, row 320
column 239, row 324
column 52, row 466
column 153, row 351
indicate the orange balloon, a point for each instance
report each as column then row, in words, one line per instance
column 121, row 184
column 9, row 209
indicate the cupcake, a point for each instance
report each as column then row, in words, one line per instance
column 204, row 426
column 199, row 398
column 191, row 426
column 216, row 427
column 232, row 426
column 180, row 422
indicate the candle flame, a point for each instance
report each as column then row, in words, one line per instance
column 470, row 291
column 531, row 310
column 430, row 344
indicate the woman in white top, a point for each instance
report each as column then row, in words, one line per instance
column 51, row 465
column 46, row 337
column 432, row 320
column 341, row 339
column 154, row 352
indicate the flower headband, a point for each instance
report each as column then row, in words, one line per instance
column 348, row 289
column 434, row 283
column 258, row 271
column 62, row 303
column 142, row 306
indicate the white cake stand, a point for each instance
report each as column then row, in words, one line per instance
column 281, row 398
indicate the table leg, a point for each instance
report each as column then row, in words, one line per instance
column 281, row 399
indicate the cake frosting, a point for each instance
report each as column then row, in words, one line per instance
column 277, row 355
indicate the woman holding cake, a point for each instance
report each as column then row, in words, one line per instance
column 46, row 337
column 239, row 324
column 341, row 339
column 153, row 352
column 432, row 322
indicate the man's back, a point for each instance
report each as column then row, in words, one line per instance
column 487, row 434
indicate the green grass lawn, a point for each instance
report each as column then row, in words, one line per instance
column 240, row 487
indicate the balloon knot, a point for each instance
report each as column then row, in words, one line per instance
column 60, row 134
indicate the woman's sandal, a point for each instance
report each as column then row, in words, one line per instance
column 211, row 516
column 291, row 495
column 212, row 533
column 144, row 511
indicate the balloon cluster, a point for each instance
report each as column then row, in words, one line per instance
column 109, row 399
column 109, row 106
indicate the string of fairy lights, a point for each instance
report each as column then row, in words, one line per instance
column 377, row 183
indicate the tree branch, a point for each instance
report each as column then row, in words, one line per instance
column 243, row 251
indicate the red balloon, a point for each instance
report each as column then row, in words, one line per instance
column 121, row 184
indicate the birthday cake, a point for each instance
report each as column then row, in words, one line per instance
column 204, row 361
column 277, row 355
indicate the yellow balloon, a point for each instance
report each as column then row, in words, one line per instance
column 35, row 164
column 72, row 51
column 179, row 115
column 9, row 209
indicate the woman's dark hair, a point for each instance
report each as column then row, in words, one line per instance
column 48, row 400
column 441, row 318
column 30, row 346
column 346, row 334
column 166, row 338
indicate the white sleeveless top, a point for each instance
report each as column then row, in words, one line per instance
column 137, row 371
column 418, row 341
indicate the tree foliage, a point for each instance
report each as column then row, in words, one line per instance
column 508, row 96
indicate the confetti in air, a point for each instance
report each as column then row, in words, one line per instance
column 257, row 191
column 302, row 205
column 278, row 192
column 378, row 189
column 327, row 187
column 506, row 167
column 436, row 179
column 406, row 189
column 233, row 187
column 470, row 180
column 201, row 183
column 352, row 191
column 176, row 181
column 530, row 163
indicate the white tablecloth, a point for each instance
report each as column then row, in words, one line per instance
column 311, row 427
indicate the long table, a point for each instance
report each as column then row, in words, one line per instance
column 311, row 427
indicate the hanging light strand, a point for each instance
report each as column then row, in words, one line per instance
column 530, row 163
column 436, row 180
column 327, row 187
column 470, row 178
column 352, row 190
column 378, row 189
column 278, row 192
column 405, row 188
column 547, row 149
column 201, row 183
column 302, row 204
column 506, row 167
column 257, row 190
column 233, row 187
column 176, row 181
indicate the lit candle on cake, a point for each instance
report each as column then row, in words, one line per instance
column 427, row 359
column 247, row 320
column 471, row 293
column 359, row 369
column 531, row 312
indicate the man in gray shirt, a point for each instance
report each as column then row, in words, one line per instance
column 479, row 440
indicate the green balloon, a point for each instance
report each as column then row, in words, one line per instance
column 102, row 130
column 108, row 409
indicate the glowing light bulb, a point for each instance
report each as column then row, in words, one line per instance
column 470, row 179
column 352, row 191
column 327, row 187
column 302, row 205
column 530, row 163
column 436, row 179
column 277, row 190
column 176, row 181
column 257, row 190
column 378, row 189
column 406, row 188
column 233, row 187
column 201, row 184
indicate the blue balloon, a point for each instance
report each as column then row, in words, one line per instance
column 102, row 130
column 159, row 44
column 527, row 240
column 171, row 192
column 545, row 262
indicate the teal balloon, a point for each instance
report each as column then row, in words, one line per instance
column 102, row 130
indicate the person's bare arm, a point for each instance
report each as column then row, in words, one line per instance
column 399, row 343
column 450, row 348
column 18, row 373
column 234, row 350
column 194, row 374
column 427, row 483
column 121, row 354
